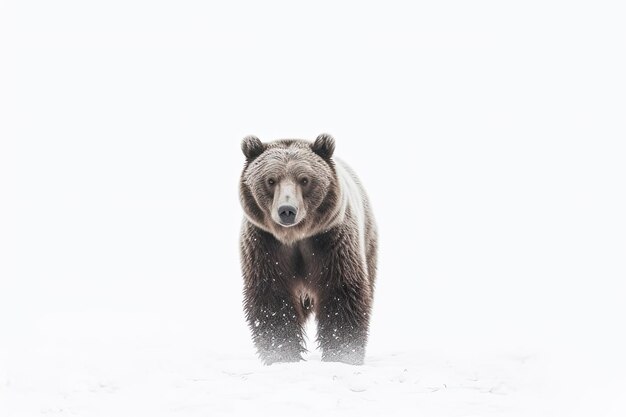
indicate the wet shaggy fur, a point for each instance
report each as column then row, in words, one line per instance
column 323, row 264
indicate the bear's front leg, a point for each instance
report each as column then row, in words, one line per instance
column 342, row 329
column 276, row 333
column 269, row 309
column 344, row 307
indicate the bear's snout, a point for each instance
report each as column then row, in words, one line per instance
column 287, row 214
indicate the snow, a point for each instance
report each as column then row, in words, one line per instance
column 135, row 368
column 161, row 382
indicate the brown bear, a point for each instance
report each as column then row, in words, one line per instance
column 308, row 245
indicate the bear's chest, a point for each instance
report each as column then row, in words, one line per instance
column 303, row 262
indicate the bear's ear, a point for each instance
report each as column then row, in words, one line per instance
column 252, row 147
column 324, row 146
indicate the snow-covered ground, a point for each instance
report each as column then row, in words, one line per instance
column 103, row 375
column 66, row 377
column 156, row 382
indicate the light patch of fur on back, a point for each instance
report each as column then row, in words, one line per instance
column 351, row 197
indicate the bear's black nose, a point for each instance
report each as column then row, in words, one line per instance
column 287, row 214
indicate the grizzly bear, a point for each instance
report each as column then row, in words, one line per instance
column 308, row 245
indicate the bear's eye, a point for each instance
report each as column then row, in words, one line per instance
column 304, row 181
column 271, row 181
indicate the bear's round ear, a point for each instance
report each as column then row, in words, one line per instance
column 252, row 147
column 324, row 145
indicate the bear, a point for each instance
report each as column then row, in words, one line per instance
column 308, row 246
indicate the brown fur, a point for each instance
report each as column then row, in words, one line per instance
column 315, row 265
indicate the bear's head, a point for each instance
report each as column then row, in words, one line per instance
column 289, row 187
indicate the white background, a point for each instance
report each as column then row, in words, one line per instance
column 490, row 137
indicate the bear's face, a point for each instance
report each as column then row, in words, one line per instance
column 288, row 185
